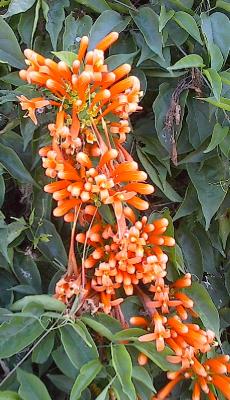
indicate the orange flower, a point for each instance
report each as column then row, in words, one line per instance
column 32, row 105
column 160, row 333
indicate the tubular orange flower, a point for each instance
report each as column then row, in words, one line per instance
column 98, row 188
column 32, row 105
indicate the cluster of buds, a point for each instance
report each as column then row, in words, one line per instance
column 91, row 171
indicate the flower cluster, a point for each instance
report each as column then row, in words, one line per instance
column 99, row 190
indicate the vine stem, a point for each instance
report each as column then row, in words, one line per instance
column 29, row 352
column 84, row 249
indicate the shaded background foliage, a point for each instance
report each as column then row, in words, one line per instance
column 179, row 51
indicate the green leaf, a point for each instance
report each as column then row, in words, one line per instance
column 31, row 387
column 200, row 123
column 97, row 5
column 164, row 17
column 184, row 5
column 18, row 6
column 77, row 350
column 217, row 59
column 102, row 324
column 8, row 395
column 26, row 271
column 2, row 190
column 26, row 24
column 118, row 390
column 225, row 5
column 190, row 61
column 104, row 394
column 140, row 374
column 63, row 363
column 116, row 60
column 67, row 56
column 75, row 29
column 215, row 81
column 122, row 364
column 189, row 204
column 215, row 29
column 27, row 128
column 104, row 24
column 161, row 107
column 158, row 358
column 14, row 165
column 7, row 280
column 55, row 19
column 129, row 334
column 209, row 262
column 153, row 174
column 204, row 306
column 225, row 146
column 62, row 382
column 207, row 181
column 10, row 51
column 224, row 229
column 219, row 134
column 188, row 23
column 54, row 249
column 148, row 23
column 82, row 331
column 224, row 103
column 42, row 351
column 48, row 303
column 191, row 250
column 87, row 374
column 19, row 333
column 225, row 77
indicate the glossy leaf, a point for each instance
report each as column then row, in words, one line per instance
column 164, row 17
column 75, row 29
column 53, row 248
column 219, row 134
column 77, row 350
column 47, row 302
column 189, row 205
column 190, row 61
column 215, row 28
column 55, row 19
column 122, row 364
column 14, row 165
column 140, row 374
column 105, row 23
column 148, row 22
column 215, row 81
column 192, row 252
column 63, row 363
column 42, row 351
column 207, row 181
column 102, row 324
column 31, row 387
column 97, row 5
column 9, row 395
column 223, row 4
column 18, row 6
column 10, row 51
column 224, row 103
column 2, row 190
column 87, row 374
column 26, row 271
column 204, row 306
column 188, row 23
column 158, row 358
column 19, row 333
